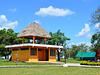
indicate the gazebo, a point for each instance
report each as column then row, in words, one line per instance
column 36, row 48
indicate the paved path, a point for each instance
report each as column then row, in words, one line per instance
column 78, row 65
column 60, row 65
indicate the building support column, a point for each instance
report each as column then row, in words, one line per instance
column 45, row 39
column 22, row 40
column 48, row 54
column 33, row 40
column 37, row 55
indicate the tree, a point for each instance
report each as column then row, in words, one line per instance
column 95, row 40
column 96, row 16
column 3, row 51
column 58, row 38
column 7, row 37
column 75, row 48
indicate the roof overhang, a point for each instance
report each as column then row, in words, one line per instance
column 31, row 36
column 33, row 45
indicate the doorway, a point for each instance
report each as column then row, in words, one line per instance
column 43, row 54
column 40, row 54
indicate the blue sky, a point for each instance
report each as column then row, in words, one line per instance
column 70, row 16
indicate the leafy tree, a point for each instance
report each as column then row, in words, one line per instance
column 96, row 16
column 3, row 51
column 71, row 52
column 58, row 38
column 7, row 37
column 95, row 40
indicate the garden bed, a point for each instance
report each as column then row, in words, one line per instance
column 90, row 63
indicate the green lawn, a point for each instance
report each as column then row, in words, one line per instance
column 71, row 60
column 37, row 70
column 46, row 70
column 11, row 63
column 6, row 62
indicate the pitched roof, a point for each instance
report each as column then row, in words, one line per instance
column 34, row 29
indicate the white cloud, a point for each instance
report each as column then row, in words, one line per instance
column 3, row 19
column 97, row 25
column 5, row 23
column 52, row 11
column 13, row 10
column 84, row 31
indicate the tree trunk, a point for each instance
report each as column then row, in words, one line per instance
column 58, row 55
column 5, row 57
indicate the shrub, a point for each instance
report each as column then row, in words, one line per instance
column 90, row 63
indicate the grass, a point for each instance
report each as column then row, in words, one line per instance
column 6, row 62
column 46, row 70
column 11, row 63
column 50, row 71
column 71, row 60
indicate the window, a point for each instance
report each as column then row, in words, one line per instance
column 52, row 52
column 33, row 51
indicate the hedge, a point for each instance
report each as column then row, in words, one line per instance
column 90, row 63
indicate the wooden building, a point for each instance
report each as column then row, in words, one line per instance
column 35, row 49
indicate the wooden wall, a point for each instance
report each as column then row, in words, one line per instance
column 52, row 58
column 20, row 55
column 24, row 55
